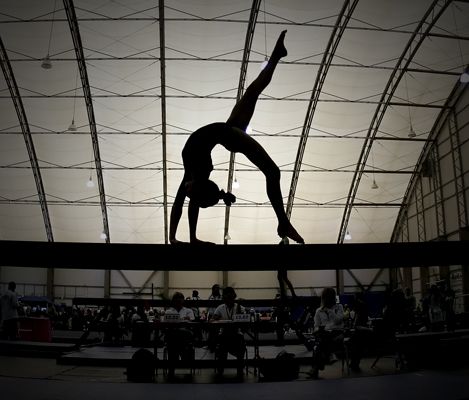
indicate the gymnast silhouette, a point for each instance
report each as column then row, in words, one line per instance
column 231, row 134
column 282, row 277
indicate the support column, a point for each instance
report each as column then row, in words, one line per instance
column 423, row 280
column 444, row 272
column 393, row 278
column 166, row 284
column 50, row 284
column 225, row 278
column 339, row 281
column 107, row 283
column 407, row 278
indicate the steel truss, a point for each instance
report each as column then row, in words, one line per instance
column 438, row 193
column 101, row 18
column 458, row 170
column 23, row 120
column 401, row 226
column 163, row 115
column 242, row 81
column 421, row 32
column 337, row 32
column 75, row 32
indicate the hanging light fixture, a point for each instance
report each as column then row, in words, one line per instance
column 411, row 133
column 464, row 78
column 46, row 62
column 89, row 182
column 348, row 236
column 103, row 235
column 72, row 127
column 227, row 236
column 235, row 184
column 374, row 185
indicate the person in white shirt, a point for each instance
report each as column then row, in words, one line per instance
column 9, row 313
column 330, row 316
column 229, row 340
column 329, row 327
column 179, row 340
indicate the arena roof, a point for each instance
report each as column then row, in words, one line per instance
column 345, row 117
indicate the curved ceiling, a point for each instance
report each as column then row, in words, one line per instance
column 137, row 77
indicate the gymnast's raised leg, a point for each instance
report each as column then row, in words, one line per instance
column 243, row 143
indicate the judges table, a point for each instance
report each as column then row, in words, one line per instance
column 247, row 326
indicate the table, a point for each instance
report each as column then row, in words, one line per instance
column 251, row 328
column 35, row 329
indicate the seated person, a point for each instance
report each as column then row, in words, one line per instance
column 215, row 295
column 230, row 339
column 114, row 326
column 140, row 328
column 179, row 340
column 328, row 328
column 362, row 334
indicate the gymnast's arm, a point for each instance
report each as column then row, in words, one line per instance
column 176, row 212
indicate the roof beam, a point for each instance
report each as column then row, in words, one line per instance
column 307, row 169
column 23, row 120
column 75, row 32
column 242, row 203
column 283, row 22
column 431, row 16
column 217, row 97
column 31, row 59
column 254, row 134
column 242, row 81
column 163, row 114
column 339, row 28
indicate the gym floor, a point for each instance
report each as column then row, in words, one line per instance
column 41, row 379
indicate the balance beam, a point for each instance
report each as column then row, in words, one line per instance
column 233, row 257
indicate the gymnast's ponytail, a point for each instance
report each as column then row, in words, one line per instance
column 227, row 197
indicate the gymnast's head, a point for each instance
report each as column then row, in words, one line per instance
column 206, row 193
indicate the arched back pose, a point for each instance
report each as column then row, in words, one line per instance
column 198, row 163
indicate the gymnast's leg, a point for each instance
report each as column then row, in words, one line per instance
column 238, row 141
column 244, row 108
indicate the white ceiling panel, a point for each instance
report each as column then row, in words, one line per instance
column 143, row 118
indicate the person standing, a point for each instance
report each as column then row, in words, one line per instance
column 9, row 308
